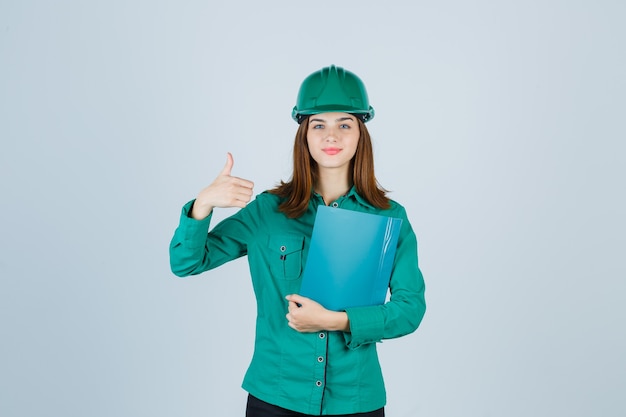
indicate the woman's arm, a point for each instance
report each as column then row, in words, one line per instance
column 192, row 250
column 404, row 311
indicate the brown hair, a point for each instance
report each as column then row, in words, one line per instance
column 297, row 192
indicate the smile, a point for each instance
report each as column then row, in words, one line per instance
column 331, row 151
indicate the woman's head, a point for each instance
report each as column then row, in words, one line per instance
column 331, row 102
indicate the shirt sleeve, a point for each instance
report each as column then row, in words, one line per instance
column 405, row 309
column 194, row 250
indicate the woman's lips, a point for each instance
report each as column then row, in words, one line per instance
column 331, row 151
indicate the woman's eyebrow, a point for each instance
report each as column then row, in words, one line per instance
column 341, row 119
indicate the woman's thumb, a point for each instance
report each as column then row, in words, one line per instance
column 229, row 164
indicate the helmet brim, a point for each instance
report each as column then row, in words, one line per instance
column 364, row 115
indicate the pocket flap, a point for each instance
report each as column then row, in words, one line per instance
column 286, row 244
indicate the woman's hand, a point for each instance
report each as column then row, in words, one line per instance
column 311, row 317
column 225, row 191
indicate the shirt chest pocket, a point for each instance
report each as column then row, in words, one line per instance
column 285, row 253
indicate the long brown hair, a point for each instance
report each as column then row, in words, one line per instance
column 297, row 192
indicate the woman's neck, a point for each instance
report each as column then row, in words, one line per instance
column 331, row 185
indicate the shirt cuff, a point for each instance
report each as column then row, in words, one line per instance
column 193, row 232
column 367, row 325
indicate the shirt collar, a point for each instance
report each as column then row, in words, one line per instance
column 352, row 193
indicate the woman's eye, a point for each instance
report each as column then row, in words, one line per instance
column 318, row 126
column 344, row 126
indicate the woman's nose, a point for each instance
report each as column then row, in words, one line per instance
column 331, row 135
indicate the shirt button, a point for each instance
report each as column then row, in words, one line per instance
column 335, row 204
column 283, row 248
column 322, row 335
column 318, row 383
column 320, row 359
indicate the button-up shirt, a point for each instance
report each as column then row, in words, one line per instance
column 327, row 372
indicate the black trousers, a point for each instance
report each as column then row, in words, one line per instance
column 258, row 408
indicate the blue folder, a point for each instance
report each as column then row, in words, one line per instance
column 350, row 258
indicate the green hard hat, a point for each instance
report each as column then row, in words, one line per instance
column 332, row 89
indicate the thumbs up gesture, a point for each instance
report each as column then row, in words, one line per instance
column 225, row 191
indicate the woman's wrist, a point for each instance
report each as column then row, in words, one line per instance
column 200, row 213
column 338, row 321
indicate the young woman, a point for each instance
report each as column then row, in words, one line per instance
column 308, row 360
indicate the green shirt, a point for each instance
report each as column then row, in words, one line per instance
column 311, row 373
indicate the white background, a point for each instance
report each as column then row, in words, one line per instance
column 500, row 125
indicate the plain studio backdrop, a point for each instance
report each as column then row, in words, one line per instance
column 500, row 125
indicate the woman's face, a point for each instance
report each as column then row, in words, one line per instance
column 333, row 139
